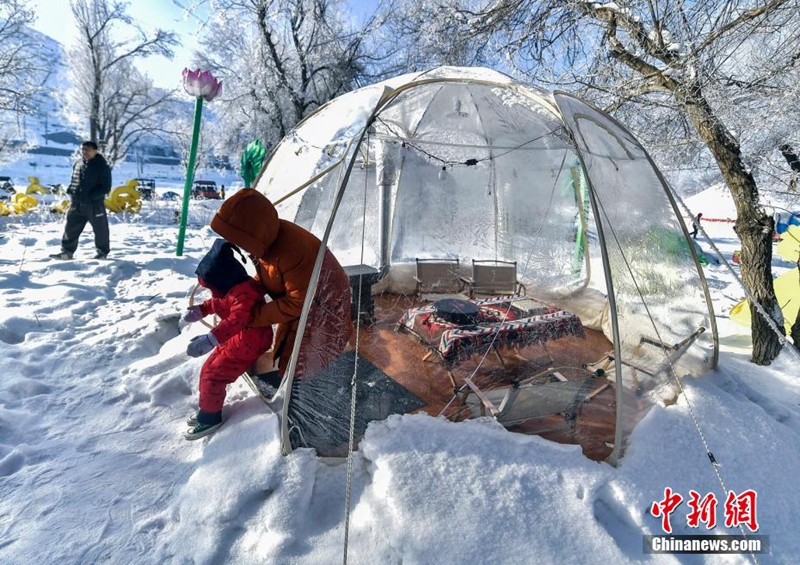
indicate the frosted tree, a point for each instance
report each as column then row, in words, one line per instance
column 22, row 71
column 177, row 131
column 107, row 94
column 695, row 65
column 281, row 59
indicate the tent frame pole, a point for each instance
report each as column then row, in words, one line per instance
column 616, row 452
column 286, row 445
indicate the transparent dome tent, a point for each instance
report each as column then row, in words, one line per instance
column 513, row 254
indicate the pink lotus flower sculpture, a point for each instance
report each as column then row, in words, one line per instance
column 201, row 84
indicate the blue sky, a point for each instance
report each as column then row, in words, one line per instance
column 54, row 18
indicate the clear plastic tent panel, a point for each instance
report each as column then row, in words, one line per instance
column 347, row 239
column 455, row 150
column 665, row 322
column 316, row 145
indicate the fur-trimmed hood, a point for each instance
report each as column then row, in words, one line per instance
column 249, row 220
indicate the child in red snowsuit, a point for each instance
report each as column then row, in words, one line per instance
column 236, row 346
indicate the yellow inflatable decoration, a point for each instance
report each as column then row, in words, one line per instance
column 22, row 203
column 787, row 286
column 789, row 246
column 4, row 210
column 61, row 207
column 34, row 187
column 125, row 198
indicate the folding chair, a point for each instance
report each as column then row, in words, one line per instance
column 648, row 363
column 438, row 276
column 515, row 405
column 493, row 277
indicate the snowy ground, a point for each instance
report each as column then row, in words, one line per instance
column 96, row 387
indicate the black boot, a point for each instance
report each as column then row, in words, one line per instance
column 207, row 423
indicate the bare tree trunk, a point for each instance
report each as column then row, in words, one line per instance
column 94, row 126
column 753, row 226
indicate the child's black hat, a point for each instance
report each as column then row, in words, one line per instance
column 220, row 270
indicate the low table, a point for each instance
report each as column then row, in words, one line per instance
column 503, row 322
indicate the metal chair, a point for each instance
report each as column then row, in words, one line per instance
column 438, row 276
column 492, row 276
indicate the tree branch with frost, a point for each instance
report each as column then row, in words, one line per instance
column 649, row 72
column 22, row 72
column 641, row 35
column 281, row 59
column 106, row 92
column 743, row 18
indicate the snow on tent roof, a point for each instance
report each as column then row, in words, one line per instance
column 460, row 165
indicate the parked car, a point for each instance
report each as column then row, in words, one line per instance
column 205, row 189
column 147, row 188
column 6, row 188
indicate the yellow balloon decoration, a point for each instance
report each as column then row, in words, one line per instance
column 787, row 291
column 787, row 286
column 22, row 203
column 125, row 198
column 61, row 207
column 789, row 246
column 34, row 187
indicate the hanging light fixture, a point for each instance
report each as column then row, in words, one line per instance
column 443, row 173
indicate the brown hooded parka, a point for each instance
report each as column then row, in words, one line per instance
column 284, row 255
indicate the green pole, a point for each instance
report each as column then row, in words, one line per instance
column 187, row 188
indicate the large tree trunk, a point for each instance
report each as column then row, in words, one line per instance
column 753, row 226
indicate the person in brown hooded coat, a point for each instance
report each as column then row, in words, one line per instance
column 284, row 255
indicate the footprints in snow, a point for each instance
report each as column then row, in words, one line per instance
column 611, row 513
column 11, row 462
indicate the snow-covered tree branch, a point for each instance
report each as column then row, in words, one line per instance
column 22, row 71
column 282, row 59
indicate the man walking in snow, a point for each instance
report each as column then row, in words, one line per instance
column 91, row 181
column 695, row 225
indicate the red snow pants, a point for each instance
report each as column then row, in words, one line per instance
column 228, row 361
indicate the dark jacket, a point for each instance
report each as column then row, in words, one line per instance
column 91, row 180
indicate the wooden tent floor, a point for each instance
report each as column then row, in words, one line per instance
column 400, row 356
